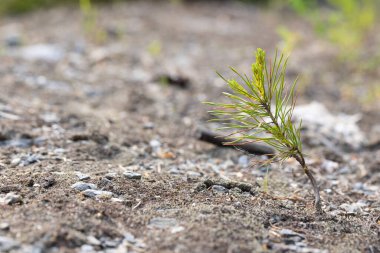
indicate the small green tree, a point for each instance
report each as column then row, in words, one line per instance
column 261, row 110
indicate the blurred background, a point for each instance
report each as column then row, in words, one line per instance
column 333, row 43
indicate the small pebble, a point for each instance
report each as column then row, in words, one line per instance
column 80, row 186
column 132, row 175
column 155, row 144
column 13, row 40
column 175, row 170
column 129, row 237
column 344, row 170
column 97, row 194
column 85, row 248
column 149, row 125
column 177, row 229
column 93, row 241
column 219, row 189
column 243, row 161
column 110, row 243
column 351, row 208
column 330, row 166
column 118, row 200
column 162, row 223
column 4, row 226
column 82, row 176
column 110, row 175
column 236, row 191
column 43, row 52
column 7, row 244
column 10, row 199
column 193, row 175
column 291, row 236
column 237, row 204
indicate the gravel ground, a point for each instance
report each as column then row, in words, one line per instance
column 99, row 148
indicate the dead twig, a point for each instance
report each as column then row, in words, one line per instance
column 252, row 148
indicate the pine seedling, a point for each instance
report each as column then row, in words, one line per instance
column 261, row 109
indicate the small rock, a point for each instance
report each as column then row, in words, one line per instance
column 176, row 229
column 200, row 187
column 30, row 249
column 162, row 223
column 93, row 241
column 193, row 175
column 43, row 52
column 50, row 118
column 219, row 189
column 351, row 208
column 129, row 238
column 13, row 40
column 7, row 244
column 82, row 176
column 291, row 236
column 330, row 129
column 109, row 243
column 329, row 166
column 289, row 233
column 25, row 160
column 344, row 170
column 80, row 186
column 175, row 170
column 4, row 226
column 85, row 248
column 110, row 175
column 48, row 182
column 362, row 188
column 132, row 175
column 237, row 204
column 10, row 199
column 149, row 125
column 155, row 144
column 236, row 191
column 243, row 161
column 118, row 200
column 97, row 194
column 104, row 182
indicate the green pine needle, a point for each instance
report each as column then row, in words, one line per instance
column 260, row 110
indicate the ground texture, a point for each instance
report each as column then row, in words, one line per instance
column 117, row 112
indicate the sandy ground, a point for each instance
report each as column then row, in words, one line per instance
column 117, row 111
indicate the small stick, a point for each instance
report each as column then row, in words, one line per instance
column 252, row 148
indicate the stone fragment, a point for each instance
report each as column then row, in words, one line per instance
column 81, row 186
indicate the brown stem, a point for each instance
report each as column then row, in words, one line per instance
column 317, row 202
column 299, row 157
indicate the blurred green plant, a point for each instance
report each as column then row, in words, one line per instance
column 90, row 21
column 261, row 110
column 265, row 185
column 289, row 39
column 21, row 6
column 12, row 7
column 302, row 6
column 343, row 22
column 154, row 48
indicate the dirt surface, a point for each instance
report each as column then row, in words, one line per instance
column 122, row 114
